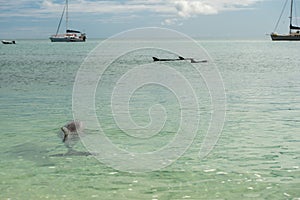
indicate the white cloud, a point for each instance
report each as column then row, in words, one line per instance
column 192, row 8
column 117, row 19
column 187, row 8
column 111, row 7
column 169, row 22
column 176, row 10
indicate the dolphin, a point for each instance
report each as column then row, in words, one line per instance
column 155, row 59
column 70, row 133
column 193, row 60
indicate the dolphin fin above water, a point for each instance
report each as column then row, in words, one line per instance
column 66, row 132
column 70, row 133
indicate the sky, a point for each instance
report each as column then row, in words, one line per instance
column 38, row 19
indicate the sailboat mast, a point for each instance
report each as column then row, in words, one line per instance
column 61, row 18
column 67, row 15
column 291, row 16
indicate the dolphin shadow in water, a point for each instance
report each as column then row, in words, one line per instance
column 31, row 151
column 72, row 153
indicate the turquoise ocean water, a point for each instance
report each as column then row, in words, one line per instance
column 256, row 157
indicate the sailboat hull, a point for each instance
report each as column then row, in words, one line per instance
column 54, row 39
column 277, row 37
column 67, row 38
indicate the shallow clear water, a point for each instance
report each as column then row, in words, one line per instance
column 257, row 155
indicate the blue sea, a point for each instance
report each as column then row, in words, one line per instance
column 257, row 154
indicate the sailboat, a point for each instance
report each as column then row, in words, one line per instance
column 70, row 35
column 294, row 33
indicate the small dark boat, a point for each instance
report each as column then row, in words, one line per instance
column 8, row 42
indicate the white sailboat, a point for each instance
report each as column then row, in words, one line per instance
column 70, row 35
column 294, row 33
